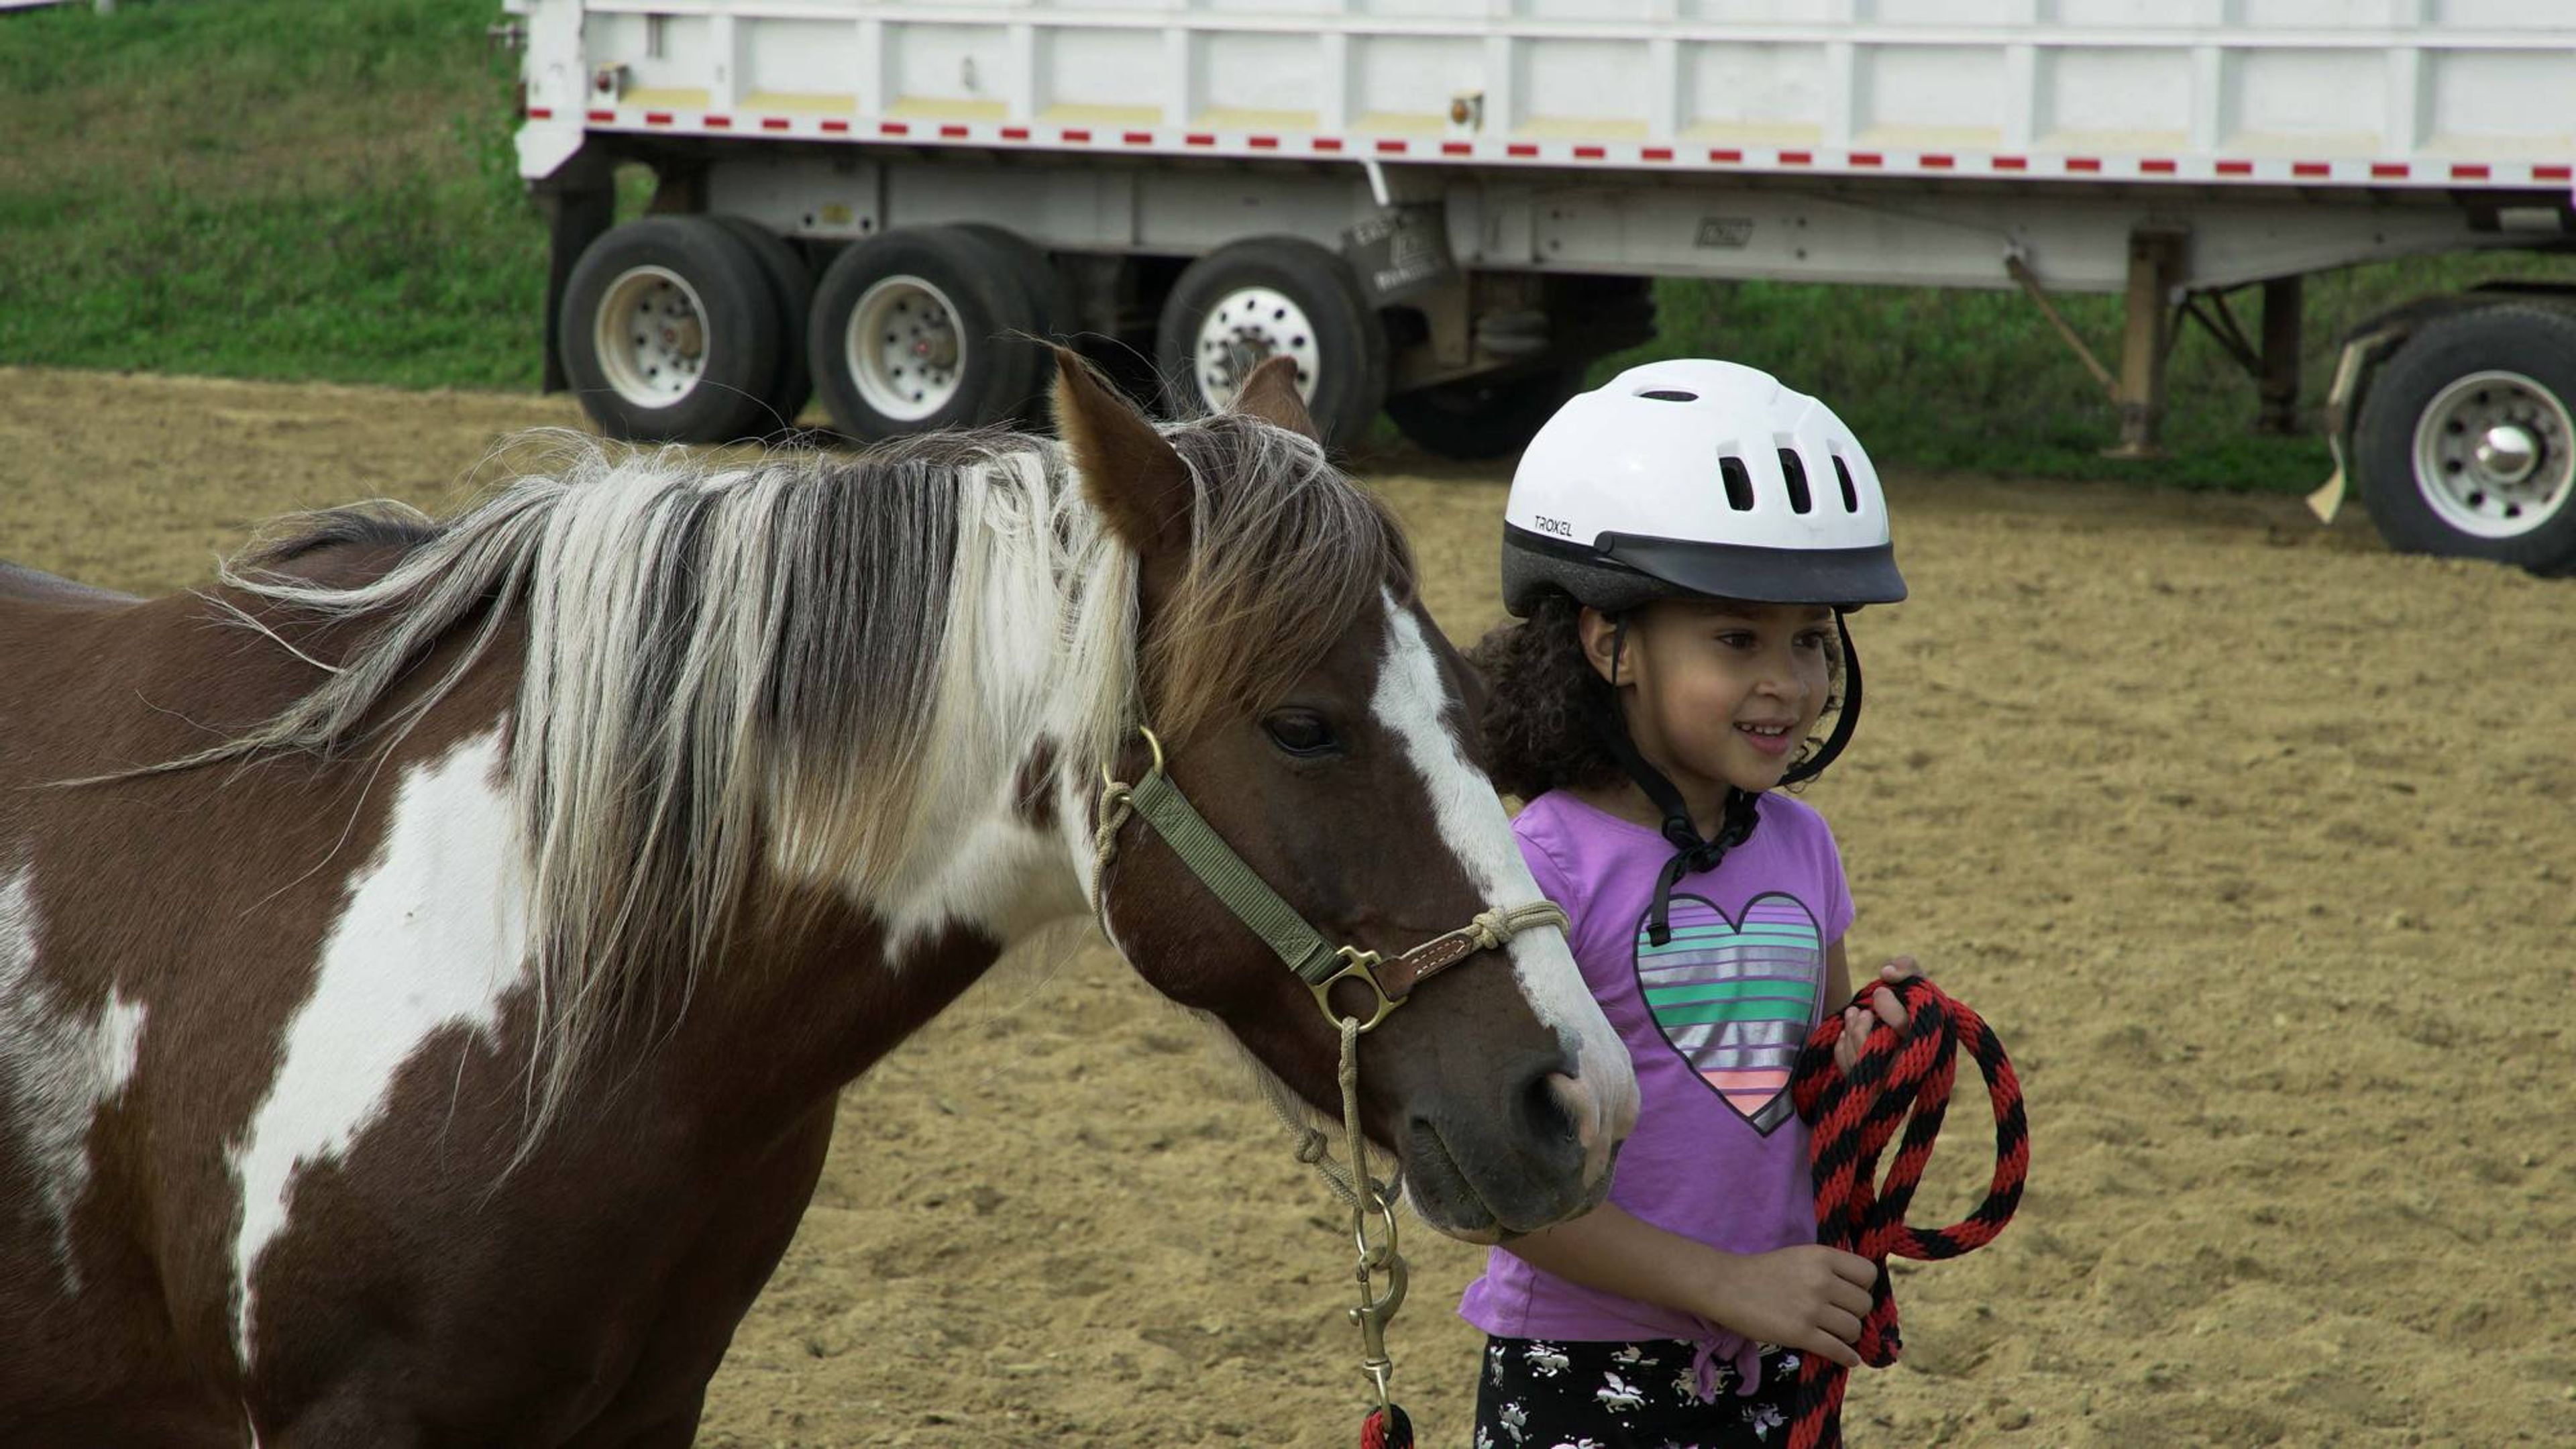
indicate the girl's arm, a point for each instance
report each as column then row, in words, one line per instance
column 1809, row 1298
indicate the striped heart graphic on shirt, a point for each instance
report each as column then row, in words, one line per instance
column 1735, row 999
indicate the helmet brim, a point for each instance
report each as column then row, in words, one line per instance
column 1623, row 570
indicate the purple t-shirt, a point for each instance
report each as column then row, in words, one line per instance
column 1713, row 1021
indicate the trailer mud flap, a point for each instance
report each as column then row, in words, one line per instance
column 1400, row 252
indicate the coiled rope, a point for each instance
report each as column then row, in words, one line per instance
column 1902, row 1075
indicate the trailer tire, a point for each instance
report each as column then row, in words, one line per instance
column 1256, row 299
column 791, row 286
column 1478, row 418
column 703, row 371
column 1050, row 302
column 2466, row 444
column 945, row 320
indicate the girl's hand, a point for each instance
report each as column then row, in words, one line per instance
column 1810, row 1298
column 1882, row 1003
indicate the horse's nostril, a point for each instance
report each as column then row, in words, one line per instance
column 1543, row 1107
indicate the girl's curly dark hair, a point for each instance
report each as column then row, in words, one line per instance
column 1537, row 731
column 1543, row 695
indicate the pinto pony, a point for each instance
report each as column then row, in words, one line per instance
column 429, row 958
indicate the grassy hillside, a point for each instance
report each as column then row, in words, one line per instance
column 266, row 188
column 283, row 189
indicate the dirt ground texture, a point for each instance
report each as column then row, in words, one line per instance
column 2252, row 839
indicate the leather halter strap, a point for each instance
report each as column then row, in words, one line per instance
column 1317, row 962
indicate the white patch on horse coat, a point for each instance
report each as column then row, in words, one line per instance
column 434, row 936
column 58, row 1067
column 1410, row 701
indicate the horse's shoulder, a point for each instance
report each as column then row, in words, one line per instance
column 21, row 584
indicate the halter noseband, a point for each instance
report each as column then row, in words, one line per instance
column 1317, row 962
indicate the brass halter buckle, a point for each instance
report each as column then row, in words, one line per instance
column 1360, row 966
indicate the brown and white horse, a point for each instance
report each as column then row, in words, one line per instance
column 429, row 958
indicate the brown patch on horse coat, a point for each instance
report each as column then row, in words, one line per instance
column 1033, row 788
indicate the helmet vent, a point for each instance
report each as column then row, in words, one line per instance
column 1795, row 470
column 1851, row 495
column 1669, row 394
column 1739, row 484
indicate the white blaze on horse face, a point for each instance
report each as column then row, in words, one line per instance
column 434, row 936
column 1411, row 701
column 58, row 1066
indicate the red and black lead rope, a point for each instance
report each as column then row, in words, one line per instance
column 1902, row 1075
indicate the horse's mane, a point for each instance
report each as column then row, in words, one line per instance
column 802, row 661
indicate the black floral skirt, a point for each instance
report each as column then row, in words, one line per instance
column 1554, row 1394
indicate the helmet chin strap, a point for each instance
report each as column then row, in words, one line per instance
column 1693, row 853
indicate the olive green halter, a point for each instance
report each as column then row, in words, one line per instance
column 1317, row 962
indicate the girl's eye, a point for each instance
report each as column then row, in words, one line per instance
column 1299, row 733
column 1812, row 639
column 1738, row 639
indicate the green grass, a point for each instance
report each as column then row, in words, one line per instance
column 298, row 191
column 269, row 189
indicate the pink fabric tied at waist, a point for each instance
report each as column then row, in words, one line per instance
column 1716, row 1344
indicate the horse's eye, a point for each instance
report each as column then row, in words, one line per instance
column 1300, row 733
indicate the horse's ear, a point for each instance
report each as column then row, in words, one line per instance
column 1129, row 473
column 1270, row 394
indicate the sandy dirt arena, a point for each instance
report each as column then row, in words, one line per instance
column 2253, row 840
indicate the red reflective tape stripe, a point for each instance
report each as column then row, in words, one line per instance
column 1938, row 163
column 2011, row 163
column 1797, row 158
column 1137, row 138
column 719, row 123
column 773, row 123
column 2310, row 168
column 2552, row 173
column 1727, row 155
column 1866, row 158
column 953, row 133
column 657, row 118
column 894, row 128
column 1015, row 133
column 837, row 126
column 2235, row 168
column 603, row 116
column 541, row 113
column 1326, row 143
column 1457, row 148
column 1522, row 148
column 1589, row 153
column 2083, row 163
column 2390, row 170
column 1262, row 143
column 1199, row 138
column 1075, row 134
column 1390, row 148
column 2469, row 171
column 2156, row 166
column 1655, row 153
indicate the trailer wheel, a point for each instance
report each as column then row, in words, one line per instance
column 1050, row 301
column 791, row 286
column 920, row 329
column 1268, row 297
column 669, row 334
column 1477, row 418
column 2466, row 444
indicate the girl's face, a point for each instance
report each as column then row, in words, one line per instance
column 1718, row 692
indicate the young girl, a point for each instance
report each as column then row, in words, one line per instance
column 1681, row 547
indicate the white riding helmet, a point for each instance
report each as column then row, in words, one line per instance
column 1697, row 477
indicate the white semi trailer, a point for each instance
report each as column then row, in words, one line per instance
column 1446, row 208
